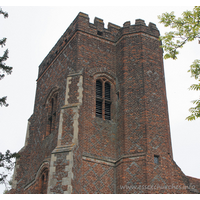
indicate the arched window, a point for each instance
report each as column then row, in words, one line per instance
column 52, row 111
column 103, row 99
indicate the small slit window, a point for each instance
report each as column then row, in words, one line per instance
column 100, row 33
column 52, row 108
column 156, row 159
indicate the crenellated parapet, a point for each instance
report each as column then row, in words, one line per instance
column 100, row 123
column 112, row 34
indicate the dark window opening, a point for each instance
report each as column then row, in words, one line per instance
column 107, row 110
column 99, row 108
column 52, row 108
column 50, row 123
column 156, row 159
column 43, row 179
column 117, row 95
column 103, row 99
column 107, row 91
column 98, row 89
column 43, row 183
column 51, row 119
column 100, row 33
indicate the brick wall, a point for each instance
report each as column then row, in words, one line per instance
column 82, row 153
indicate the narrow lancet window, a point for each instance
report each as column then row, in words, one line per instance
column 52, row 108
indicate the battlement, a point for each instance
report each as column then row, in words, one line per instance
column 112, row 33
column 100, row 122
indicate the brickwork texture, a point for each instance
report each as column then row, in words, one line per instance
column 71, row 150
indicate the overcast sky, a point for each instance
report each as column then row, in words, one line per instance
column 31, row 33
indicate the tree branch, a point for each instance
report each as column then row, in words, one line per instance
column 5, row 14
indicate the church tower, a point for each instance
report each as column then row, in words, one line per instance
column 100, row 122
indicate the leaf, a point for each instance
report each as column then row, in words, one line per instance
column 195, row 69
column 195, row 111
column 3, row 42
column 187, row 29
column 5, row 14
column 3, row 101
column 194, row 87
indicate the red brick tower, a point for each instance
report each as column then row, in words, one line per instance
column 100, row 121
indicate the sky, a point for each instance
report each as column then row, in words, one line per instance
column 33, row 29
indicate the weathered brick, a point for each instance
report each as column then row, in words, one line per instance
column 70, row 150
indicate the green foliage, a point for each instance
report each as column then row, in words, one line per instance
column 3, row 42
column 195, row 69
column 5, row 14
column 6, row 160
column 10, row 182
column 4, row 69
column 7, row 163
column 3, row 101
column 186, row 29
column 195, row 73
column 195, row 111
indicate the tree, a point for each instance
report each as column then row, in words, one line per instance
column 186, row 29
column 10, row 182
column 6, row 160
column 4, row 69
column 7, row 163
